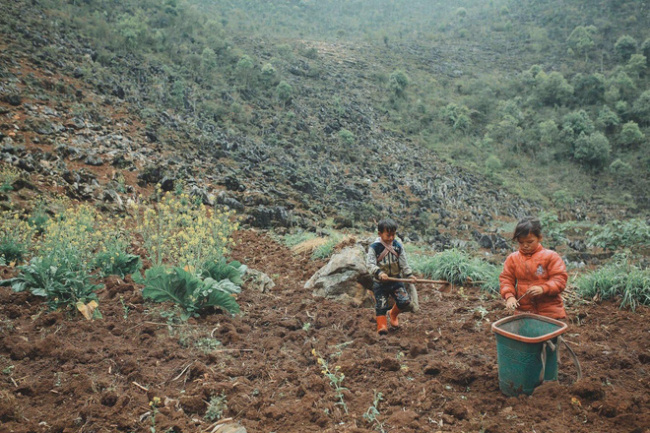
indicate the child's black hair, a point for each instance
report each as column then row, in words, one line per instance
column 527, row 226
column 387, row 225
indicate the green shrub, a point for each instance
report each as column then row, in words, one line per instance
column 284, row 92
column 114, row 260
column 620, row 168
column 457, row 267
column 397, row 82
column 620, row 280
column 8, row 175
column 620, row 234
column 631, row 135
column 346, row 137
column 56, row 280
column 188, row 291
column 593, row 150
column 493, row 164
column 15, row 238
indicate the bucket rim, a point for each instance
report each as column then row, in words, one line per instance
column 562, row 328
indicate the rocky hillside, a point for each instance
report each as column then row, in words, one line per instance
column 82, row 123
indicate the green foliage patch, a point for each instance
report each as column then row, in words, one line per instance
column 459, row 268
column 619, row 280
column 187, row 290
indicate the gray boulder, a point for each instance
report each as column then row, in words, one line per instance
column 344, row 278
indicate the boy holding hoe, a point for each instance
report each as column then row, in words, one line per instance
column 386, row 261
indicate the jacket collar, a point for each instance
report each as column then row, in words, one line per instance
column 538, row 249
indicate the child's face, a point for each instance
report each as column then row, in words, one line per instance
column 387, row 236
column 528, row 243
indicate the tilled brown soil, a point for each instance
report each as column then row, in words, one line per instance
column 438, row 372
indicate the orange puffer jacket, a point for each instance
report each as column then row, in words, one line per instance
column 542, row 268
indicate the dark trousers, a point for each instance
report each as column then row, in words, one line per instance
column 383, row 290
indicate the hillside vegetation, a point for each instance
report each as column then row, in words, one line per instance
column 323, row 105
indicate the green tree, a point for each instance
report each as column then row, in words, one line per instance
column 397, row 82
column 592, row 150
column 547, row 132
column 636, row 66
column 631, row 135
column 645, row 50
column 245, row 69
column 553, row 89
column 641, row 108
column 589, row 89
column 624, row 47
column 284, row 92
column 624, row 84
column 208, row 61
column 577, row 123
column 608, row 120
column 581, row 40
column 268, row 74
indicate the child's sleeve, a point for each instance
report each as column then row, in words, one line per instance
column 557, row 276
column 404, row 264
column 507, row 279
column 371, row 262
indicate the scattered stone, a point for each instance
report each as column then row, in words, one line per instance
column 258, row 281
column 94, row 160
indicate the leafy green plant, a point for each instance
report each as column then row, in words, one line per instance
column 373, row 412
column 217, row 405
column 61, row 285
column 222, row 270
column 335, row 377
column 617, row 280
column 114, row 260
column 459, row 268
column 616, row 234
column 187, row 290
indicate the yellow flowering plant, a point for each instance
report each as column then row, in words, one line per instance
column 16, row 237
column 335, row 378
column 8, row 175
column 177, row 230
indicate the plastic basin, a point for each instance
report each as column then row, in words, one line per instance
column 520, row 341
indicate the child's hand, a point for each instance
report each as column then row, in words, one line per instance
column 413, row 278
column 535, row 291
column 383, row 276
column 511, row 303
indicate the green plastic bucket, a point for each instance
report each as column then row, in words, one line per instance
column 520, row 341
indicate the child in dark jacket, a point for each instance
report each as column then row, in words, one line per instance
column 533, row 277
column 386, row 259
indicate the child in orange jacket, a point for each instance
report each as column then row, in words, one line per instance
column 533, row 277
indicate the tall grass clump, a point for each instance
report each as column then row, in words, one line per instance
column 620, row 280
column 459, row 268
column 620, row 234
